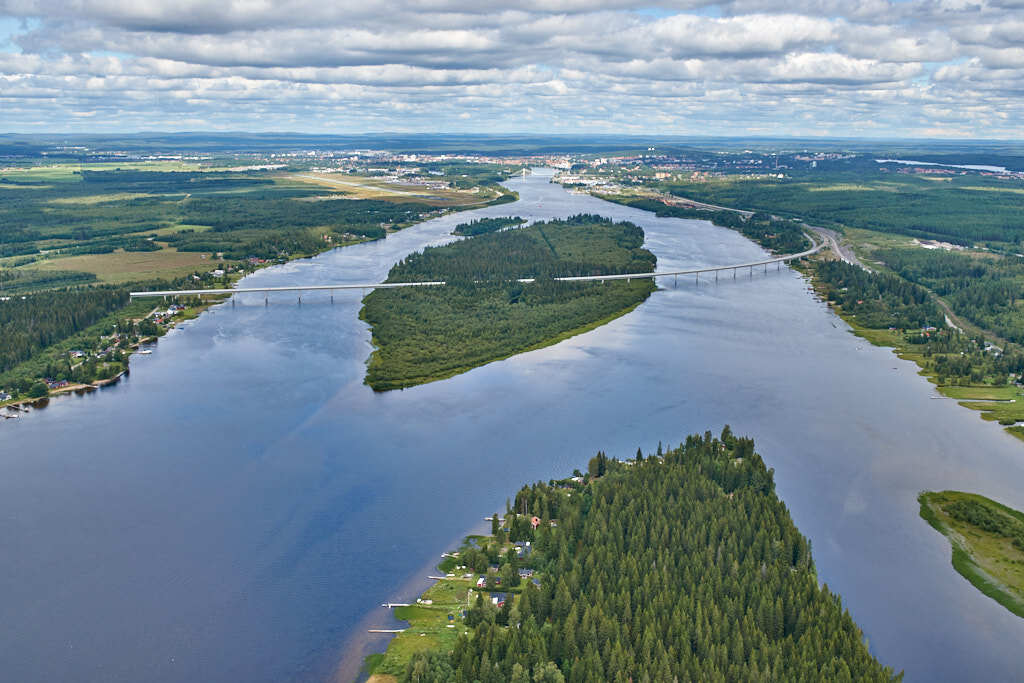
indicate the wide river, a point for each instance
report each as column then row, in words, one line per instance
column 239, row 508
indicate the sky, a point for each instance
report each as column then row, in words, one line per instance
column 836, row 68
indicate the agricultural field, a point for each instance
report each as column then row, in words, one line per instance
column 119, row 266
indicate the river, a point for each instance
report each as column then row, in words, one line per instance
column 241, row 505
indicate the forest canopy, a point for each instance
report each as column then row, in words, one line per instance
column 680, row 567
column 427, row 333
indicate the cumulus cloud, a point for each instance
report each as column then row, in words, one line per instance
column 882, row 67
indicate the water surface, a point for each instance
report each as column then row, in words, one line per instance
column 238, row 509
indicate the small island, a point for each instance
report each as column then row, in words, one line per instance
column 484, row 313
column 681, row 565
column 482, row 226
column 987, row 540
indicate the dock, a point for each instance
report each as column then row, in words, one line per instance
column 385, row 630
column 389, row 605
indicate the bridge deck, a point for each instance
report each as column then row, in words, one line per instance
column 818, row 246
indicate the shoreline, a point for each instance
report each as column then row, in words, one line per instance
column 568, row 334
column 192, row 313
column 369, row 640
column 964, row 559
column 988, row 407
column 985, row 406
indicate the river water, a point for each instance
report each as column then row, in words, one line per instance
column 241, row 505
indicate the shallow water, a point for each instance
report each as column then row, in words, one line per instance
column 241, row 505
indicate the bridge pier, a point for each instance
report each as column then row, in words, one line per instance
column 766, row 268
column 266, row 299
column 733, row 273
column 751, row 271
column 716, row 276
column 675, row 281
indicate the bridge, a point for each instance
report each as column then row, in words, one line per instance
column 674, row 274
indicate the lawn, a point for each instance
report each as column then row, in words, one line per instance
column 428, row 626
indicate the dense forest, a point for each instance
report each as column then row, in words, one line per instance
column 484, row 314
column 961, row 209
column 878, row 300
column 683, row 566
column 482, row 226
column 780, row 236
column 30, row 324
column 984, row 288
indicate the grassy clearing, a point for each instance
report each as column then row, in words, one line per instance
column 987, row 559
column 849, row 187
column 120, row 266
column 101, row 198
column 68, row 172
column 359, row 187
column 170, row 230
column 428, row 628
column 983, row 393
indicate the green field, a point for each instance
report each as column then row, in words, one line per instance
column 987, row 540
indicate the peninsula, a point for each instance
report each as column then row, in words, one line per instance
column 987, row 540
column 682, row 565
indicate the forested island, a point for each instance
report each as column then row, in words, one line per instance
column 987, row 540
column 422, row 334
column 682, row 565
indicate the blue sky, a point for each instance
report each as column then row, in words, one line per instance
column 872, row 68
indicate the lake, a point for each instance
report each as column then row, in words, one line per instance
column 970, row 167
column 239, row 507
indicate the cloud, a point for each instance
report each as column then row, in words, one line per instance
column 797, row 67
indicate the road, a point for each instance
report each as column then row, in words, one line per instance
column 834, row 241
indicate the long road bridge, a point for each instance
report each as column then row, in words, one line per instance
column 674, row 274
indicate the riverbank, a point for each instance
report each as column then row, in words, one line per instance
column 57, row 352
column 987, row 540
column 1003, row 403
